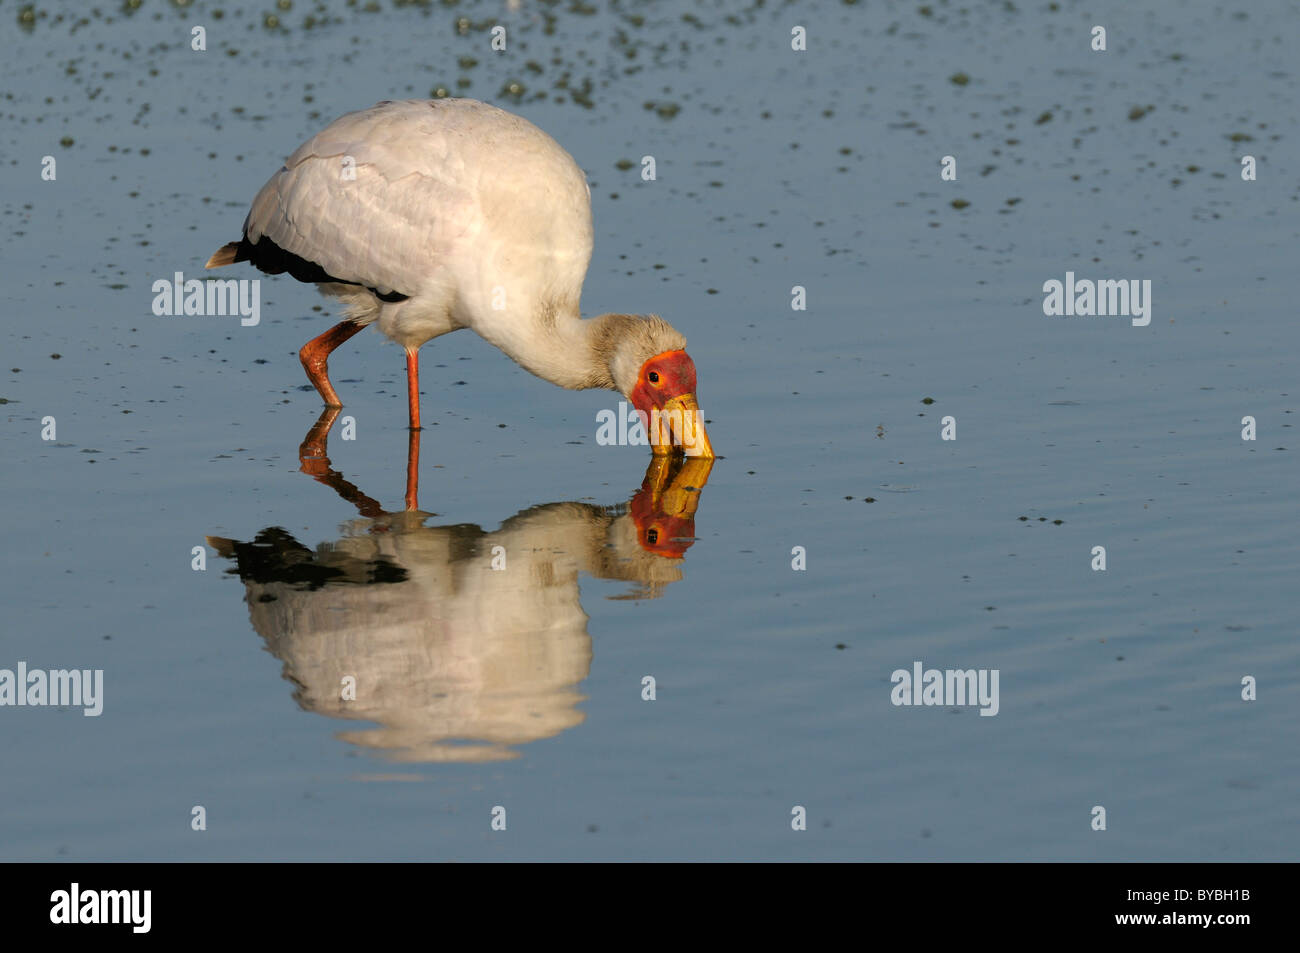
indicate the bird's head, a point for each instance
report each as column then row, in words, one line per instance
column 650, row 367
column 664, row 509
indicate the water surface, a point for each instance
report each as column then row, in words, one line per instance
column 775, row 168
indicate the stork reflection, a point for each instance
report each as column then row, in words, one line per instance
column 460, row 644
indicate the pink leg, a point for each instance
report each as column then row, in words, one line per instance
column 413, row 385
column 315, row 356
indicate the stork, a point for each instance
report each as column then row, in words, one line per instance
column 427, row 216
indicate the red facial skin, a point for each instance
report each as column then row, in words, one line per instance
column 676, row 373
column 658, row 532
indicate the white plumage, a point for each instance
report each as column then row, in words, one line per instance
column 444, row 192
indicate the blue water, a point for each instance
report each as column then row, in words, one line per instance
column 523, row 689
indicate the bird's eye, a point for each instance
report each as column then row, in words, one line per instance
column 654, row 377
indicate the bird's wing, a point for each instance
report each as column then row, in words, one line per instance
column 378, row 197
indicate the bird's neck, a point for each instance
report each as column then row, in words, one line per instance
column 558, row 345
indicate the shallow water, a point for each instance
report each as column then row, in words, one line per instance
column 524, row 689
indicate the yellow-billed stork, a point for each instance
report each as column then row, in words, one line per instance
column 427, row 216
